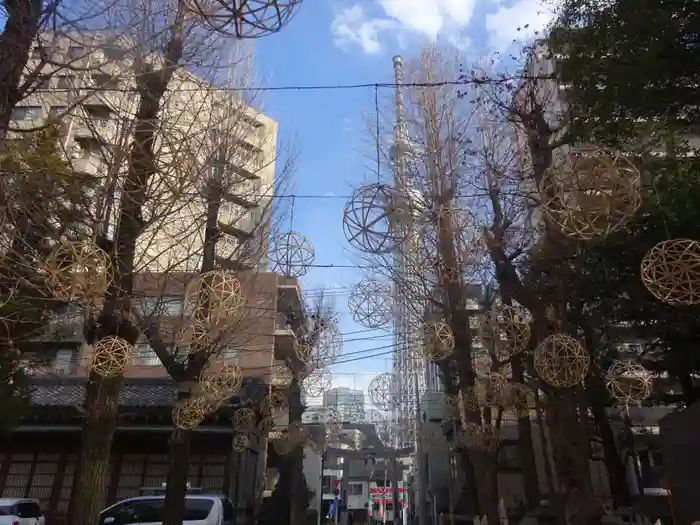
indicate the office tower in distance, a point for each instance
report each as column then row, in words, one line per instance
column 349, row 403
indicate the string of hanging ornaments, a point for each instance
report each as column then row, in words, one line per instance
column 243, row 18
column 505, row 330
column 561, row 361
column 593, row 193
column 375, row 218
column 371, row 303
column 110, row 356
column 439, row 341
column 78, row 271
column 281, row 375
column 671, row 271
column 291, row 254
column 382, row 390
column 240, row 443
column 628, row 382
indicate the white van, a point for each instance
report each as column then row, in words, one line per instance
column 20, row 511
column 200, row 509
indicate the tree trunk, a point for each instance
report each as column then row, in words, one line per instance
column 617, row 475
column 571, row 460
column 21, row 29
column 178, row 468
column 487, row 487
column 102, row 407
column 526, row 449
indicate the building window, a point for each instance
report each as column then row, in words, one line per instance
column 144, row 356
column 355, row 489
column 231, row 353
column 326, row 485
column 43, row 82
column 27, row 113
column 113, row 53
column 62, row 361
column 165, row 306
column 57, row 111
column 75, row 52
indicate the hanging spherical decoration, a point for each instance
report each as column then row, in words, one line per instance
column 78, row 271
column 291, row 254
column 505, row 330
column 561, row 361
column 214, row 295
column 243, row 18
column 240, row 443
column 219, row 380
column 497, row 390
column 439, row 341
column 629, row 382
column 671, row 271
column 110, row 356
column 522, row 400
column 283, row 445
column 592, row 195
column 281, row 375
column 329, row 343
column 198, row 335
column 274, row 403
column 371, row 303
column 244, row 420
column 375, row 218
column 318, row 382
column 189, row 413
column 480, row 437
column 382, row 390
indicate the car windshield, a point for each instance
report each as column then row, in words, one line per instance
column 197, row 508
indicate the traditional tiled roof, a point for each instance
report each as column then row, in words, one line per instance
column 135, row 392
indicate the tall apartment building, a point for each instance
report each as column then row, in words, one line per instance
column 205, row 135
column 349, row 403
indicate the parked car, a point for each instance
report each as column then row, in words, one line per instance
column 21, row 511
column 200, row 509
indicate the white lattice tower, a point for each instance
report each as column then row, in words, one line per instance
column 408, row 369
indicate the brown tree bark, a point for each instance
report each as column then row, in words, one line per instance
column 526, row 449
column 21, row 30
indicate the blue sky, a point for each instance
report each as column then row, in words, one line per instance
column 337, row 42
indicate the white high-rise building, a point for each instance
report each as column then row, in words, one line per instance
column 205, row 134
column 349, row 403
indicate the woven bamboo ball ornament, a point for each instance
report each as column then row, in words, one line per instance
column 561, row 361
column 522, row 400
column 215, row 294
column 189, row 413
column 506, row 330
column 375, row 217
column 281, row 375
column 371, row 303
column 283, row 445
column 381, row 391
column 497, row 390
column 671, row 271
column 219, row 380
column 291, row 254
column 439, row 341
column 450, row 405
column 110, row 356
column 316, row 383
column 78, row 271
column 240, row 443
column 593, row 195
column 244, row 420
column 629, row 382
column 198, row 335
column 274, row 403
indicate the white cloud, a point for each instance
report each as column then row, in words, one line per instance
column 354, row 26
column 518, row 22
